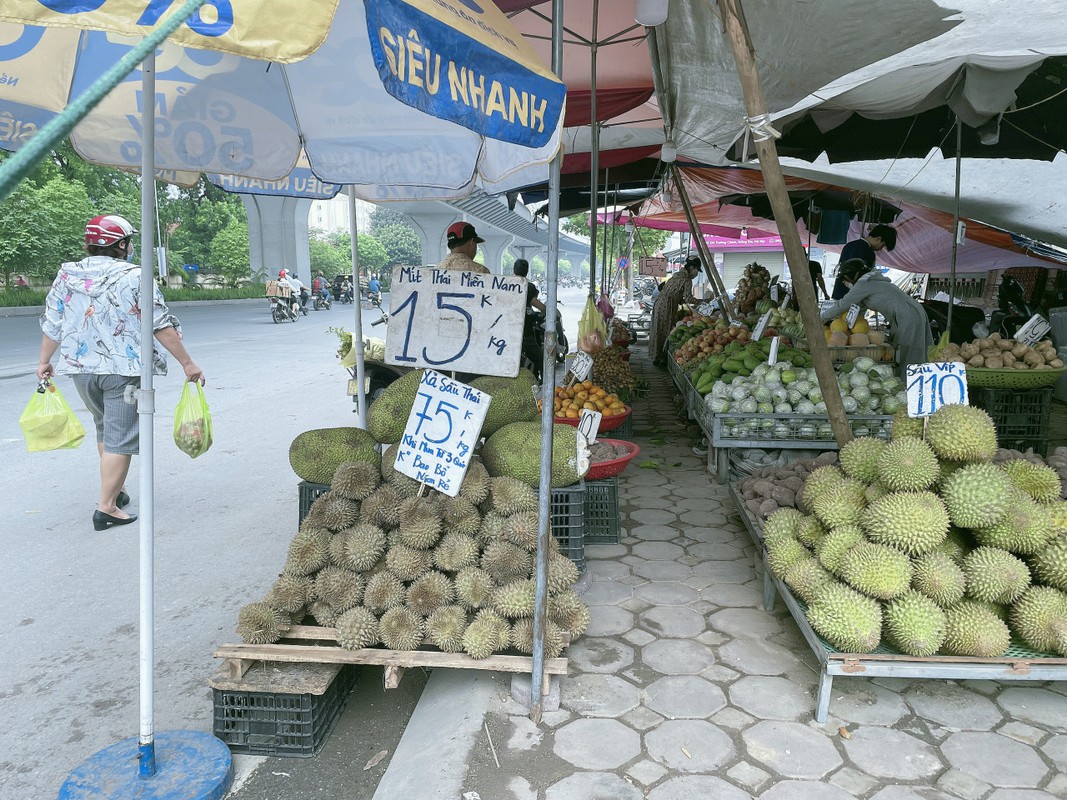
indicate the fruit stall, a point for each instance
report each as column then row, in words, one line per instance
column 931, row 555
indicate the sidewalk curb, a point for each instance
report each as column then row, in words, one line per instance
column 431, row 761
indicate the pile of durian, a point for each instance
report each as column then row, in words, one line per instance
column 925, row 545
column 383, row 565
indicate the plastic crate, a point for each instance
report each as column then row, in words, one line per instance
column 601, row 508
column 259, row 719
column 1020, row 415
column 309, row 493
column 775, row 431
column 568, row 514
column 626, row 430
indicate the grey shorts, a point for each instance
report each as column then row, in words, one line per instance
column 116, row 420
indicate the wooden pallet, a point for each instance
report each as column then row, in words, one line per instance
column 240, row 657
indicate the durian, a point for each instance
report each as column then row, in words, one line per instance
column 407, row 563
column 382, row 508
column 840, row 504
column 511, row 496
column 809, row 531
column 480, row 639
column 521, row 530
column 460, row 516
column 338, row 512
column 514, row 600
column 259, row 623
column 492, row 529
column 455, row 551
column 914, row 624
column 937, row 576
column 1025, row 528
column 355, row 480
column 835, row 544
column 784, row 554
column 401, row 628
column 904, row 426
column 817, row 482
column 1037, row 480
column 859, row 458
column 473, row 588
column 912, row 522
column 874, row 492
column 420, row 523
column 384, row 591
column 562, row 573
column 908, row 465
column 341, row 588
column 848, row 620
column 290, row 592
column 308, row 552
column 521, row 638
column 430, row 592
column 1049, row 565
column 359, row 548
column 506, row 562
column 445, row 627
column 475, row 486
column 568, row 611
column 1039, row 618
column 876, row 570
column 973, row 630
column 977, row 495
column 806, row 577
column 782, row 522
column 357, row 628
column 324, row 616
column 994, row 575
column 962, row 433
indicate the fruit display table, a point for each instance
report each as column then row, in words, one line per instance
column 1018, row 664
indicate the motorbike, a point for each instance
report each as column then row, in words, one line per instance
column 533, row 339
column 322, row 300
column 1013, row 311
column 281, row 309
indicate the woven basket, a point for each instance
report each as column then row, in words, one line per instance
column 1013, row 378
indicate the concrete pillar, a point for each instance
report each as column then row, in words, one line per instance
column 496, row 245
column 431, row 227
column 278, row 234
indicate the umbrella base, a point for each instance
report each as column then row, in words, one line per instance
column 189, row 765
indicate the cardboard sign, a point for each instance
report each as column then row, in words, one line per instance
column 456, row 321
column 1035, row 329
column 589, row 424
column 933, row 385
column 581, row 366
column 761, row 326
column 853, row 315
column 652, row 265
column 443, row 427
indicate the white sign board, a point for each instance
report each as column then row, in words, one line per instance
column 589, row 424
column 582, row 365
column 705, row 309
column 456, row 321
column 772, row 356
column 787, row 298
column 761, row 326
column 933, row 385
column 853, row 315
column 774, row 293
column 1035, row 329
column 442, row 429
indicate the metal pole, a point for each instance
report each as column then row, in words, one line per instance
column 548, row 388
column 146, row 399
column 955, row 227
column 695, row 235
column 594, row 149
column 357, row 334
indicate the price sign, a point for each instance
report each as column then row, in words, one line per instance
column 775, row 293
column 581, row 366
column 705, row 309
column 761, row 326
column 456, row 321
column 442, row 429
column 931, row 386
column 787, row 298
column 853, row 315
column 1035, row 329
column 589, row 424
column 772, row 356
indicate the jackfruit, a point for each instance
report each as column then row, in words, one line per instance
column 912, row 522
column 937, row 576
column 1039, row 618
column 962, row 433
column 841, row 503
column 515, row 451
column 315, row 455
column 908, row 465
column 859, row 458
column 1050, row 563
column 914, row 624
column 1037, row 480
column 994, row 575
column 973, row 630
column 876, row 570
column 513, row 400
column 848, row 620
column 977, row 495
column 1024, row 529
column 388, row 415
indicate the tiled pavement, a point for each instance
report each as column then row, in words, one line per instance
column 684, row 687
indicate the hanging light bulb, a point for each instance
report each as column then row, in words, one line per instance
column 668, row 154
column 651, row 12
column 668, row 198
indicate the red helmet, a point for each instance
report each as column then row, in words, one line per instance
column 107, row 230
column 283, row 273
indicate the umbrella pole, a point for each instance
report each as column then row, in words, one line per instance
column 594, row 151
column 357, row 333
column 548, row 395
column 955, row 228
column 737, row 32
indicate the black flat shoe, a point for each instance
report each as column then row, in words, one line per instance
column 102, row 521
column 122, row 500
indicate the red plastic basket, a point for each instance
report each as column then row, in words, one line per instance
column 609, row 469
column 606, row 424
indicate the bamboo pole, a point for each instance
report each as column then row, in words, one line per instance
column 774, row 182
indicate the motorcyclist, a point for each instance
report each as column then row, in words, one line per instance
column 299, row 290
column 346, row 291
column 533, row 326
column 321, row 287
column 374, row 288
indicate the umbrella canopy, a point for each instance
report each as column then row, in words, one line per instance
column 232, row 115
column 815, row 201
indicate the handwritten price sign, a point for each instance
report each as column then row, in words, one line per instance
column 931, row 386
column 457, row 321
column 442, row 429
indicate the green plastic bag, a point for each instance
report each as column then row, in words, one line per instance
column 48, row 422
column 192, row 421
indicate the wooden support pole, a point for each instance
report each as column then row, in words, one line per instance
column 774, row 182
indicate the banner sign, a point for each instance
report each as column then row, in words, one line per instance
column 281, row 32
column 463, row 61
column 443, row 427
column 456, row 321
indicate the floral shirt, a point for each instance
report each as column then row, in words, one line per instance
column 93, row 311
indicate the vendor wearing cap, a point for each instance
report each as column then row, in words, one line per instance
column 463, row 243
column 877, row 238
column 909, row 327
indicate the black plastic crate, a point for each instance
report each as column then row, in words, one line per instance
column 624, row 431
column 568, row 522
column 277, row 723
column 602, row 511
column 1021, row 415
column 309, row 493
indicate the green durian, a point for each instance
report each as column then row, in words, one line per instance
column 1039, row 618
column 973, row 630
column 430, row 592
column 977, row 495
column 908, row 465
column 260, row 623
column 358, row 628
column 859, row 458
column 876, row 570
column 1040, row 482
column 938, row 576
column 914, row 624
column 384, row 591
column 445, row 627
column 358, row 548
column 355, row 480
column 994, row 575
column 848, row 620
column 912, row 522
column 962, row 433
column 401, row 628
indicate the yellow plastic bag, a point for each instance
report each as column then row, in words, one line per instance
column 48, row 422
column 192, row 421
column 592, row 330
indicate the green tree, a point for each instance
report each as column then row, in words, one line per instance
column 326, row 257
column 612, row 242
column 383, row 216
column 402, row 245
column 229, row 252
